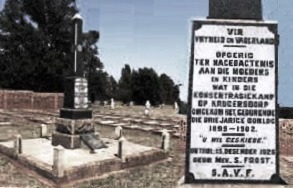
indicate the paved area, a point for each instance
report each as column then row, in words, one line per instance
column 41, row 149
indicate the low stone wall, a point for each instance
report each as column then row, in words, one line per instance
column 89, row 170
column 100, row 168
column 14, row 99
column 286, row 136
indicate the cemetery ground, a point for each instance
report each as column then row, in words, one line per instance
column 159, row 174
column 26, row 123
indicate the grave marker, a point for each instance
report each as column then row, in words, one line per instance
column 232, row 121
column 147, row 108
column 112, row 105
column 147, row 104
column 75, row 105
column 75, row 117
column 118, row 132
column 176, row 107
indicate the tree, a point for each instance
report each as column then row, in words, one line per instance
column 92, row 63
column 146, row 86
column 35, row 44
column 124, row 84
column 113, row 88
column 104, row 87
column 176, row 93
column 167, row 89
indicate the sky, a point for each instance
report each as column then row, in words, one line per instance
column 156, row 33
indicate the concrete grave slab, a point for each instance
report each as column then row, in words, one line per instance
column 37, row 154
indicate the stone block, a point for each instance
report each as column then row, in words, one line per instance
column 92, row 141
column 66, row 140
column 44, row 131
column 75, row 113
column 69, row 126
column 235, row 9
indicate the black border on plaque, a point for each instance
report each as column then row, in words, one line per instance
column 273, row 27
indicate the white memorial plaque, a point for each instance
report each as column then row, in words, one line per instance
column 233, row 93
column 81, row 93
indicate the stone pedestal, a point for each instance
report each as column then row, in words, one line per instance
column 75, row 113
column 68, row 132
column 66, row 140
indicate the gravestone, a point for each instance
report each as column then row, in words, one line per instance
column 232, row 134
column 112, row 105
column 75, row 116
column 75, row 104
column 176, row 107
column 118, row 132
column 147, row 104
column 146, row 112
column 147, row 108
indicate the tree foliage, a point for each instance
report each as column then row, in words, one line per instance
column 103, row 86
column 145, row 84
column 36, row 48
column 167, row 89
column 36, row 44
column 124, row 84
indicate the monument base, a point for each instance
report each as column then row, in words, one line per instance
column 68, row 132
column 78, row 126
column 66, row 140
column 75, row 113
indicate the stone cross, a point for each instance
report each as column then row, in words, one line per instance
column 77, row 45
column 75, row 103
